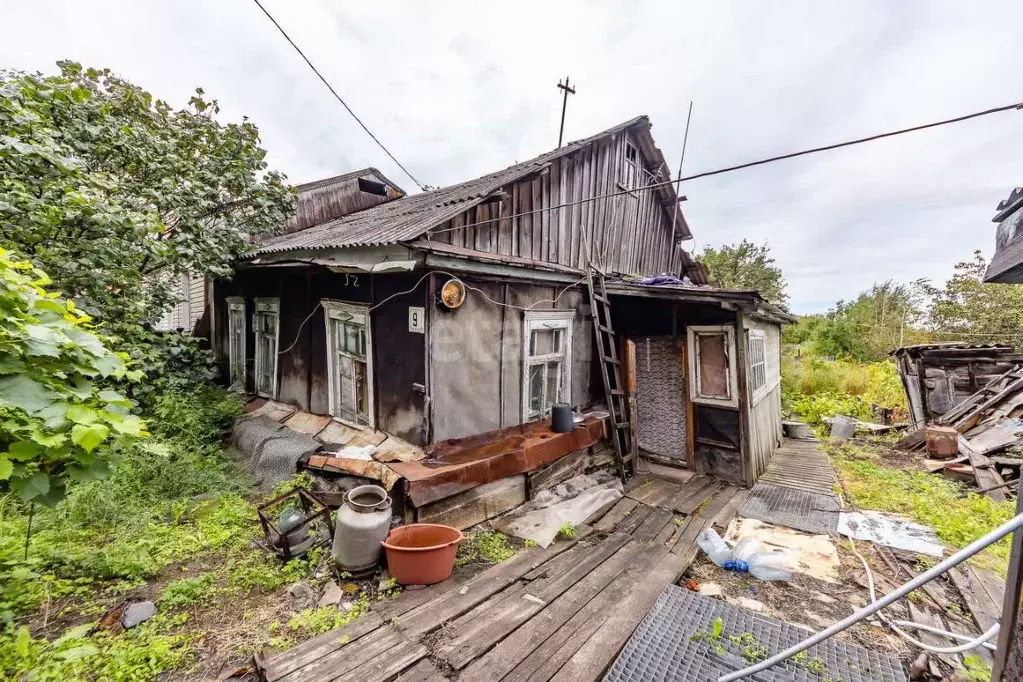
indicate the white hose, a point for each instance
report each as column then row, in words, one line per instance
column 939, row 631
column 970, row 642
column 869, row 610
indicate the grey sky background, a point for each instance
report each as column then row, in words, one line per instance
column 458, row 89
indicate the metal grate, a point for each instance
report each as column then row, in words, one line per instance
column 661, row 648
column 783, row 506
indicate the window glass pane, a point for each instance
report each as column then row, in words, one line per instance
column 713, row 369
column 361, row 389
column 553, row 384
column 536, row 390
column 352, row 339
column 545, row 342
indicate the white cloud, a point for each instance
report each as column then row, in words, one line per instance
column 458, row 89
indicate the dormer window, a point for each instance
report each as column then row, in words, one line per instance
column 630, row 169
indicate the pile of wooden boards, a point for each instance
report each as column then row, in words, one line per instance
column 988, row 422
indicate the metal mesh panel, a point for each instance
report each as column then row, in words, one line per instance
column 662, row 648
column 792, row 508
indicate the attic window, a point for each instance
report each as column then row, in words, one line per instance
column 630, row 169
column 370, row 187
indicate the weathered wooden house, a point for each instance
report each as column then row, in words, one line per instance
column 464, row 310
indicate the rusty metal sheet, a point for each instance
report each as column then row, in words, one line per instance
column 355, row 467
column 457, row 465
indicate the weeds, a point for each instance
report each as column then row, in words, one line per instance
column 188, row 591
column 567, row 531
column 483, row 546
column 928, row 499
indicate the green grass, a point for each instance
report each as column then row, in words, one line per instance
column 926, row 498
column 815, row 388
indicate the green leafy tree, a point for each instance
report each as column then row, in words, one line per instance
column 746, row 266
column 56, row 406
column 967, row 309
column 115, row 193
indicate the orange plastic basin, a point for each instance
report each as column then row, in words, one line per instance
column 421, row 553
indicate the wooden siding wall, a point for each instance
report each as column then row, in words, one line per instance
column 629, row 233
column 399, row 355
column 331, row 200
column 765, row 413
column 475, row 356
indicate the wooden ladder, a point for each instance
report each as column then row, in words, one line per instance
column 610, row 372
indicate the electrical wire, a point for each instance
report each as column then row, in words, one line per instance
column 338, row 97
column 298, row 333
column 677, row 181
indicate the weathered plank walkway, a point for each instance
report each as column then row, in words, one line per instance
column 561, row 613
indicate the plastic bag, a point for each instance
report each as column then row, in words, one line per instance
column 748, row 556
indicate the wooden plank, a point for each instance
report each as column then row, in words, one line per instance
column 598, row 652
column 718, row 502
column 504, row 226
column 985, row 613
column 455, row 602
column 347, row 658
column 556, row 472
column 691, row 504
column 386, row 665
column 729, row 510
column 620, row 511
column 423, row 671
column 276, row 667
column 645, row 490
column 550, row 241
column 653, row 525
column 926, row 617
column 545, row 641
column 537, row 218
column 473, row 636
column 693, row 487
column 476, row 505
column 634, row 519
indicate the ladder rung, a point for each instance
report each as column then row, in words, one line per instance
column 601, row 299
column 605, row 328
column 615, row 391
column 611, row 360
column 622, row 425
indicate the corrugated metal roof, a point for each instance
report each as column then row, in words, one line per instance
column 407, row 218
column 950, row 344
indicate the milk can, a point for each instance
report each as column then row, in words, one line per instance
column 363, row 522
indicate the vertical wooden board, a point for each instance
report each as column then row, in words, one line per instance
column 524, row 220
column 586, row 209
column 481, row 228
column 596, row 227
column 604, row 207
column 577, row 193
column 564, row 233
column 536, row 203
column 504, row 226
column 458, row 230
column 549, row 254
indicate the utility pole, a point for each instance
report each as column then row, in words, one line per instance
column 568, row 90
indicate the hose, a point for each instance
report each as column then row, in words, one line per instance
column 872, row 608
column 970, row 642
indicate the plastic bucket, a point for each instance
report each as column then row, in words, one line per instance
column 422, row 553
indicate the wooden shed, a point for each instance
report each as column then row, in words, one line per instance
column 939, row 376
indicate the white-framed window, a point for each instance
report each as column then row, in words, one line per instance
column 236, row 342
column 712, row 365
column 350, row 362
column 631, row 167
column 546, row 361
column 266, row 326
column 756, row 374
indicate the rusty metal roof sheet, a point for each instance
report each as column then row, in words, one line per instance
column 407, row 218
column 950, row 344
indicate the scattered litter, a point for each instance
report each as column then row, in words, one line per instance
column 810, row 554
column 692, row 584
column 332, row 595
column 364, row 453
column 748, row 556
column 137, row 613
column 535, row 600
column 890, row 531
column 745, row 603
column 571, row 502
column 710, row 590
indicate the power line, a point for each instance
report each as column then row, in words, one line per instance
column 729, row 169
column 337, row 96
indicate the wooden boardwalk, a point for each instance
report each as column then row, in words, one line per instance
column 561, row 613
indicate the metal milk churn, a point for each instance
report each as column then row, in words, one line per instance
column 363, row 522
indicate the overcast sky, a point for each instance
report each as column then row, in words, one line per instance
column 456, row 90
